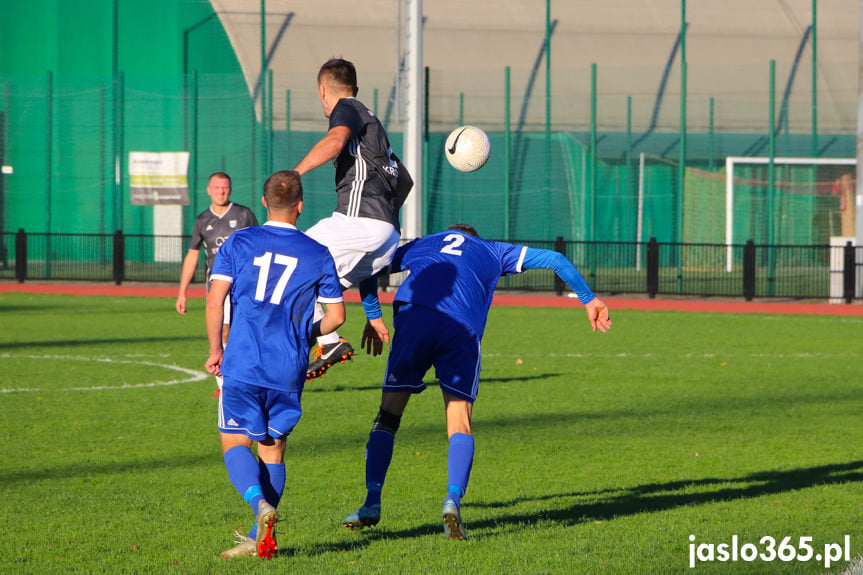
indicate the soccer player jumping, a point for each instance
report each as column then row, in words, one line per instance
column 439, row 314
column 274, row 274
column 371, row 183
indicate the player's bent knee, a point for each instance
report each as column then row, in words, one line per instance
column 386, row 421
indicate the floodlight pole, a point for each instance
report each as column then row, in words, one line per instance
column 413, row 140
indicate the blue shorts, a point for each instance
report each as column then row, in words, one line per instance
column 257, row 411
column 424, row 338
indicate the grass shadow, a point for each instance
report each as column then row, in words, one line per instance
column 91, row 468
column 365, row 538
column 653, row 497
column 615, row 503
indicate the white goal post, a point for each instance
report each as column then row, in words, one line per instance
column 732, row 161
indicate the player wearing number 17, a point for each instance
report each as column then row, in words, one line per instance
column 275, row 275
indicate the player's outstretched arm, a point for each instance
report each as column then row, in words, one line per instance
column 215, row 318
column 547, row 259
column 597, row 311
column 325, row 150
column 186, row 275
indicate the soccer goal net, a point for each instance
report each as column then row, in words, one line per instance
column 810, row 200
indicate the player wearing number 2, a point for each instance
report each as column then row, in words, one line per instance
column 275, row 274
column 439, row 316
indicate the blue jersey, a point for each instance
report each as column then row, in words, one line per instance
column 276, row 273
column 456, row 274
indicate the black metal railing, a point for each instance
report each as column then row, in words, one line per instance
column 116, row 257
column 748, row 270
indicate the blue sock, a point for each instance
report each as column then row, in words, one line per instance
column 272, row 477
column 243, row 472
column 459, row 462
column 379, row 454
column 272, row 481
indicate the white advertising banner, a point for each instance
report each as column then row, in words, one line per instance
column 159, row 178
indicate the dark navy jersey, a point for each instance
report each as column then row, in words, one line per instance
column 210, row 231
column 366, row 168
column 455, row 274
column 277, row 273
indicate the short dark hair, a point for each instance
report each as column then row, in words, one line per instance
column 465, row 229
column 218, row 175
column 340, row 72
column 283, row 190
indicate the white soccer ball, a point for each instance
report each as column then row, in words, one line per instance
column 467, row 148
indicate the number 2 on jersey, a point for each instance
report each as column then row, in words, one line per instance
column 452, row 248
column 263, row 262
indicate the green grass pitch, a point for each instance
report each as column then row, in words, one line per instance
column 596, row 453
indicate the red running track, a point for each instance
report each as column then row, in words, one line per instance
column 694, row 305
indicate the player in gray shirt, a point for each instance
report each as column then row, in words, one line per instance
column 210, row 230
column 371, row 184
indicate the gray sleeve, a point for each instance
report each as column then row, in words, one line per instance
column 197, row 239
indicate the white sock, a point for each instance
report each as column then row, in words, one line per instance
column 329, row 338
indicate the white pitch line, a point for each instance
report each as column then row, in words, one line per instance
column 194, row 374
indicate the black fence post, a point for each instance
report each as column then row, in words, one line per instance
column 119, row 257
column 848, row 272
column 559, row 247
column 652, row 267
column 749, row 270
column 21, row 255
